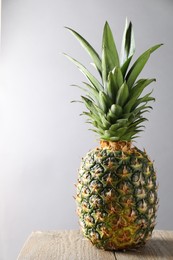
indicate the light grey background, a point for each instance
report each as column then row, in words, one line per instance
column 42, row 136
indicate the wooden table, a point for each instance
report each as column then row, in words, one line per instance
column 71, row 245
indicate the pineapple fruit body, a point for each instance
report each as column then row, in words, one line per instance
column 116, row 196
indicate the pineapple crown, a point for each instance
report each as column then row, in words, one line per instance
column 114, row 104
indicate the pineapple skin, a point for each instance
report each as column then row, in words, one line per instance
column 117, row 196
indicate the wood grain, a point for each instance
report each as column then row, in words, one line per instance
column 64, row 245
column 71, row 245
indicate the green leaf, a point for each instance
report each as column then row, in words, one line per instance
column 135, row 126
column 98, row 131
column 114, row 138
column 95, row 114
column 140, row 109
column 117, row 77
column 145, row 99
column 104, row 101
column 114, row 112
column 76, row 101
column 110, row 57
column 155, row 47
column 137, row 68
column 95, row 118
column 89, row 104
column 130, row 134
column 136, row 92
column 119, row 124
column 105, row 122
column 127, row 136
column 89, row 76
column 140, row 86
column 128, row 43
column 115, row 80
column 93, row 54
column 85, row 113
column 122, row 121
column 92, row 107
column 125, row 66
column 114, row 127
column 108, row 135
column 122, row 94
column 92, row 92
column 91, row 88
column 111, row 89
column 121, row 131
column 116, row 109
column 126, row 115
column 77, row 86
column 139, row 65
column 136, row 123
column 99, row 126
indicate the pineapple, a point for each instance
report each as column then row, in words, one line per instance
column 116, row 190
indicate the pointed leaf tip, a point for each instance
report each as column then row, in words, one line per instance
column 106, row 24
column 89, row 49
column 155, row 47
column 128, row 43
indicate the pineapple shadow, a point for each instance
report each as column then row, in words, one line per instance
column 155, row 247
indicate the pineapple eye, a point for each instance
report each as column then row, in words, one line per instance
column 135, row 177
column 104, row 153
column 142, row 206
column 109, row 194
column 109, row 179
column 84, row 206
column 85, row 191
column 99, row 215
column 94, row 235
column 89, row 220
column 125, row 187
column 151, row 212
column 153, row 222
column 97, row 169
column 86, row 177
column 95, row 201
column 95, row 186
column 151, row 197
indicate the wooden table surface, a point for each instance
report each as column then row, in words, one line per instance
column 71, row 245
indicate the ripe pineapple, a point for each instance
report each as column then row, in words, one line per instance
column 116, row 189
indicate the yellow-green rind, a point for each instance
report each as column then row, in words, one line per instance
column 117, row 197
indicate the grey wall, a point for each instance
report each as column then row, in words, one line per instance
column 42, row 138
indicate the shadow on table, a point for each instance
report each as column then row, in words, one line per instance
column 154, row 247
